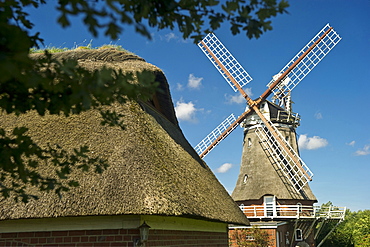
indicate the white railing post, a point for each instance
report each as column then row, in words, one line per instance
column 293, row 211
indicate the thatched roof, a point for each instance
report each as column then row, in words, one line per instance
column 153, row 169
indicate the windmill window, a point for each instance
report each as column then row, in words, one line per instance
column 287, row 138
column 298, row 235
column 249, row 142
column 269, row 205
column 245, row 178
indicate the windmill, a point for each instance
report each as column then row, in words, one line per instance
column 272, row 172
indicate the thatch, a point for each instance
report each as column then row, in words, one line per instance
column 153, row 169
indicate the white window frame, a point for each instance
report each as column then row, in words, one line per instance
column 269, row 203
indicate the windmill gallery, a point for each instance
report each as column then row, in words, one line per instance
column 272, row 187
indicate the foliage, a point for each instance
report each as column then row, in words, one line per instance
column 253, row 237
column 20, row 156
column 48, row 86
column 354, row 231
column 192, row 17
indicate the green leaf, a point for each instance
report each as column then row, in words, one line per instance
column 63, row 20
column 113, row 30
column 73, row 183
column 235, row 28
column 215, row 22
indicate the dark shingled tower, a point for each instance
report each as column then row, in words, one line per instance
column 259, row 174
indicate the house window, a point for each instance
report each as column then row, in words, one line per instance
column 298, row 235
column 249, row 237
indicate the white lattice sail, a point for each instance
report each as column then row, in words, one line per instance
column 216, row 133
column 293, row 167
column 313, row 57
column 224, row 61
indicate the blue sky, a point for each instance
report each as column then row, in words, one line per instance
column 333, row 100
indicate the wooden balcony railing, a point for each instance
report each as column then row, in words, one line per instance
column 293, row 211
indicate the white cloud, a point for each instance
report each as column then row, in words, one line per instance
column 185, row 111
column 248, row 91
column 179, row 87
column 238, row 98
column 194, row 82
column 170, row 36
column 352, row 143
column 311, row 143
column 364, row 151
column 224, row 168
column 318, row 115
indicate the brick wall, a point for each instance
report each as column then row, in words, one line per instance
column 114, row 237
column 272, row 237
column 233, row 232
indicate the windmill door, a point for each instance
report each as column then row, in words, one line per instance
column 269, row 205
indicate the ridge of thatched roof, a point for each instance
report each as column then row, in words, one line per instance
column 153, row 169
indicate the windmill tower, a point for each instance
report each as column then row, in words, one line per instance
column 272, row 187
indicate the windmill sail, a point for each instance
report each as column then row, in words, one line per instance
column 217, row 135
column 225, row 63
column 280, row 86
column 302, row 63
column 289, row 162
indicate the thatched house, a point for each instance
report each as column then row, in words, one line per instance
column 154, row 177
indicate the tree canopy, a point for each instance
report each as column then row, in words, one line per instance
column 354, row 231
column 48, row 86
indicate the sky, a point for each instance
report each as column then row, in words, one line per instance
column 333, row 100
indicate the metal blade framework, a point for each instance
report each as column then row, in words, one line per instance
column 219, row 133
column 284, row 156
column 302, row 63
column 224, row 61
column 203, row 147
column 236, row 76
column 294, row 72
